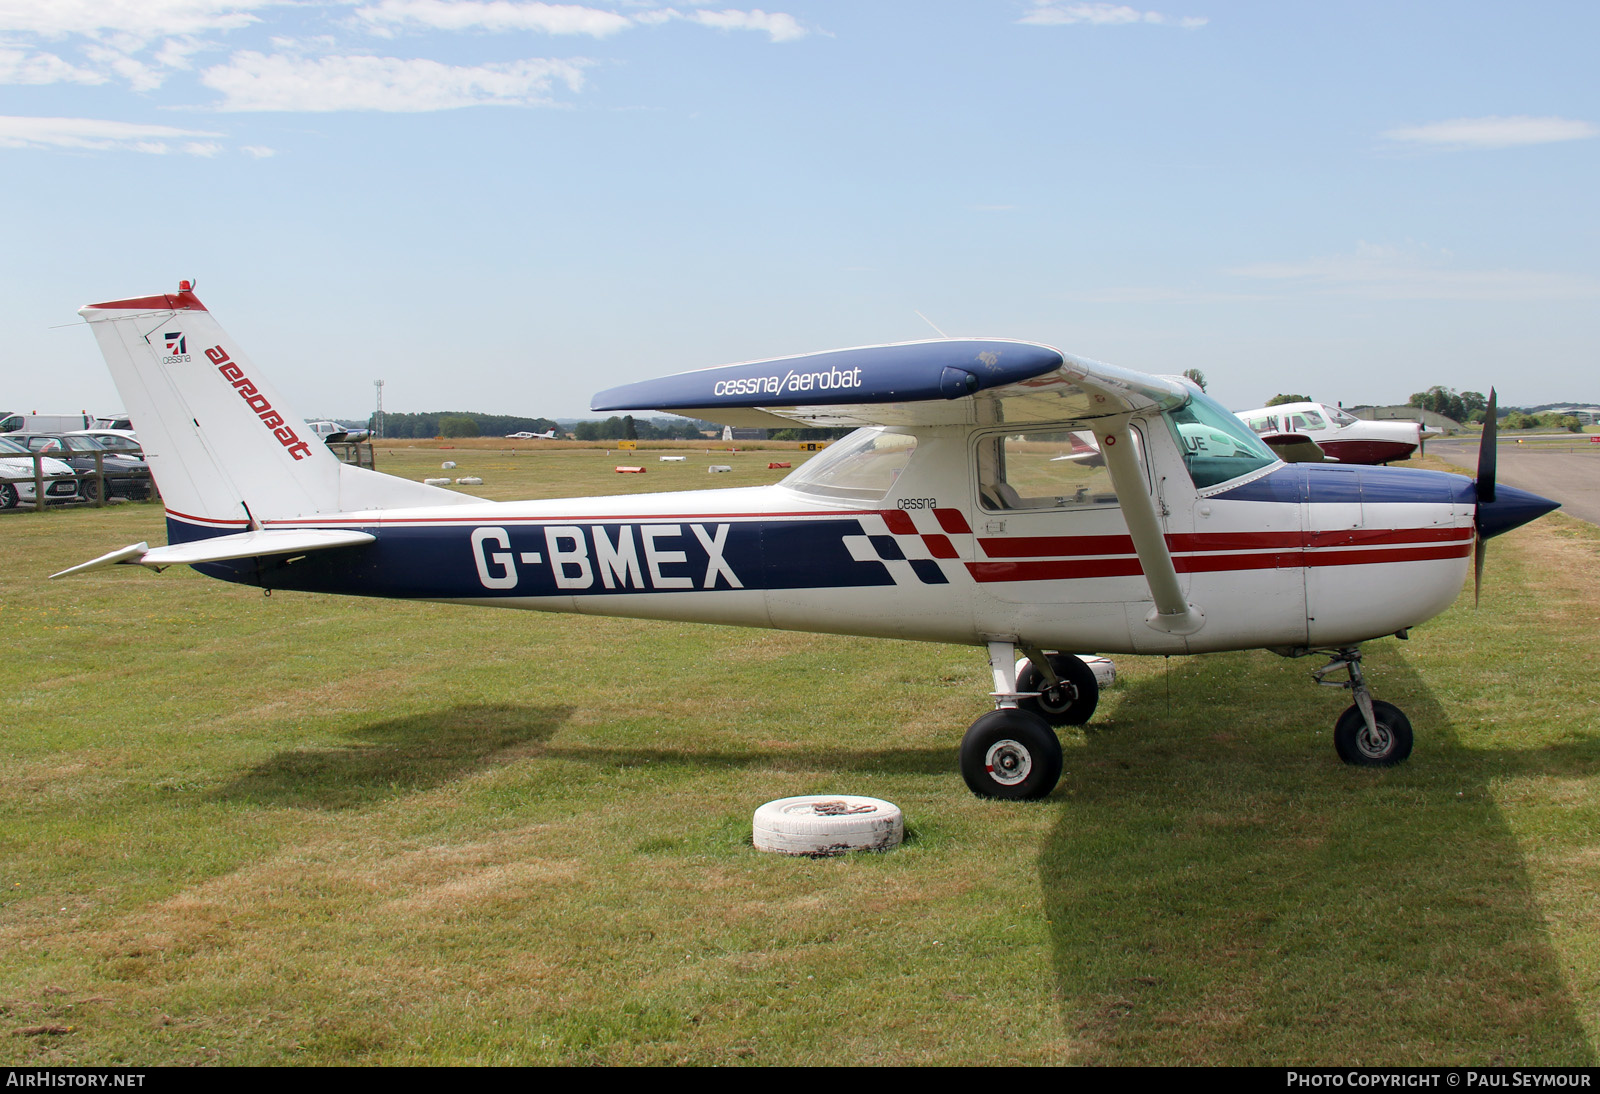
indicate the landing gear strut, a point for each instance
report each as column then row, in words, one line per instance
column 1010, row 752
column 1370, row 733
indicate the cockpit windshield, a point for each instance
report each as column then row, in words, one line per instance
column 862, row 467
column 1216, row 445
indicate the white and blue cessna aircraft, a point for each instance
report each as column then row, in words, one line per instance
column 949, row 516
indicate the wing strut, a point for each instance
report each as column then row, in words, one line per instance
column 1172, row 614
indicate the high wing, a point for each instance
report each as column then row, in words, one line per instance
column 948, row 381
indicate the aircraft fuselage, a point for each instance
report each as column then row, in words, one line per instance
column 1293, row 557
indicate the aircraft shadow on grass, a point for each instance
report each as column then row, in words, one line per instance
column 399, row 756
column 866, row 760
column 1221, row 893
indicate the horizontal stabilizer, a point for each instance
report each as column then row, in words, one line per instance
column 223, row 548
column 127, row 554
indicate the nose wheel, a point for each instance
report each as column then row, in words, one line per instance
column 1370, row 733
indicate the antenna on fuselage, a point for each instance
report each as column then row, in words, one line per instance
column 931, row 323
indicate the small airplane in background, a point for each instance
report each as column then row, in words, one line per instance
column 947, row 516
column 548, row 434
column 334, row 433
column 1339, row 434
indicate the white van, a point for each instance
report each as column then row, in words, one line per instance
column 44, row 423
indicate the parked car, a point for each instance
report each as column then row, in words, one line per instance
column 61, row 483
column 125, row 441
column 125, row 476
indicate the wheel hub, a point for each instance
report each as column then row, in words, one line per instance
column 1008, row 762
column 1374, row 743
column 1059, row 698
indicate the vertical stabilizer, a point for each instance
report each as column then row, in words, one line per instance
column 224, row 446
column 221, row 442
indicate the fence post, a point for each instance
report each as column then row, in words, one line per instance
column 38, row 482
column 99, row 479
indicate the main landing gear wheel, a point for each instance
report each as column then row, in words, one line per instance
column 1071, row 701
column 1384, row 746
column 1012, row 754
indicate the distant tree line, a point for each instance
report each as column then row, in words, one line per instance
column 1518, row 419
column 455, row 423
column 1468, row 406
column 629, row 428
column 1473, row 406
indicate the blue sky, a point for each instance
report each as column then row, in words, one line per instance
column 507, row 206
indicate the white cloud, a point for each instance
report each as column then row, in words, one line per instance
column 255, row 81
column 19, row 65
column 96, row 134
column 174, row 52
column 142, row 20
column 257, row 151
column 1058, row 13
column 1416, row 273
column 386, row 16
column 1494, row 132
column 778, row 26
column 140, row 76
column 493, row 15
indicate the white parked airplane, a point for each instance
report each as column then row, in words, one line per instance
column 526, row 436
column 1341, row 435
column 946, row 517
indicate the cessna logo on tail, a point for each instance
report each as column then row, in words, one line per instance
column 258, row 403
column 177, row 347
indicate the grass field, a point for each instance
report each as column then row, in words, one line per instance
column 249, row 830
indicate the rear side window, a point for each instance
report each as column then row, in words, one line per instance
column 1046, row 469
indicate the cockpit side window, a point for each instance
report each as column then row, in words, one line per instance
column 1058, row 468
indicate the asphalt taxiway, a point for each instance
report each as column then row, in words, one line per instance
column 1564, row 469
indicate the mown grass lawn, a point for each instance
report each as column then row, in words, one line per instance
column 239, row 829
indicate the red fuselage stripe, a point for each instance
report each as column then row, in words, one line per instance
column 1068, row 569
column 1074, row 546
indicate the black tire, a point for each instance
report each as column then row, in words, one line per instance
column 1070, row 703
column 1356, row 746
column 8, row 496
column 1011, row 754
column 89, row 489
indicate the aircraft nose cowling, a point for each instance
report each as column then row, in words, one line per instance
column 1510, row 508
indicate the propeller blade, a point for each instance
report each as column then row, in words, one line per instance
column 1487, row 451
column 1484, row 484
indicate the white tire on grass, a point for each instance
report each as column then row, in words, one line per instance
column 1104, row 669
column 827, row 824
